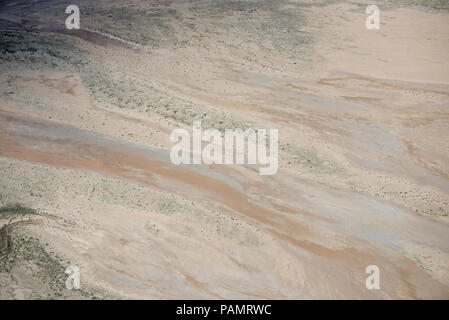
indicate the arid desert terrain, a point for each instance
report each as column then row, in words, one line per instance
column 86, row 178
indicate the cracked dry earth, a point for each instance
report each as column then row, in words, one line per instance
column 363, row 179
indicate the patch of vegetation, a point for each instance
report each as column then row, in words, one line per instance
column 145, row 27
column 123, row 91
column 243, row 236
column 13, row 211
column 32, row 51
column 267, row 25
column 37, row 259
column 425, row 5
column 310, row 160
column 29, row 253
column 152, row 228
column 167, row 205
column 16, row 209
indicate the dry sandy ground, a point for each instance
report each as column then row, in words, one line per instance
column 363, row 179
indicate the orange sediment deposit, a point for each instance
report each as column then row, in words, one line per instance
column 115, row 162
